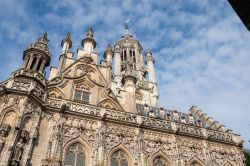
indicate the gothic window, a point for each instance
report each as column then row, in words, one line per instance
column 134, row 56
column 33, row 63
column 124, row 55
column 75, row 155
column 119, row 158
column 81, row 95
column 160, row 161
column 195, row 164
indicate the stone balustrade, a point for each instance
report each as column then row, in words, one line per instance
column 144, row 121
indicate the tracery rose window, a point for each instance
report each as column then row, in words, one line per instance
column 75, row 155
column 160, row 161
column 119, row 158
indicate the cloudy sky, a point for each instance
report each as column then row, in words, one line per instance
column 201, row 47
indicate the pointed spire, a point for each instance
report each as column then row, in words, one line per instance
column 90, row 33
column 109, row 48
column 41, row 44
column 67, row 39
column 108, row 51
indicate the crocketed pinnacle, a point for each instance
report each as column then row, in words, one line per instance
column 41, row 44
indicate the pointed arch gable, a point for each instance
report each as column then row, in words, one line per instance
column 227, row 163
column 125, row 150
column 195, row 159
column 160, row 154
column 85, row 145
column 56, row 92
column 6, row 110
column 109, row 103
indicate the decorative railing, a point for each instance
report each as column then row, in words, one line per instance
column 220, row 136
column 156, row 123
column 190, row 129
column 143, row 121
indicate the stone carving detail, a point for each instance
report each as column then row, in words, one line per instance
column 191, row 130
column 221, row 136
column 143, row 85
column 21, row 84
column 18, row 150
column 116, row 135
column 157, row 123
column 190, row 148
column 83, row 69
column 39, row 92
column 220, row 154
column 4, row 130
column 121, row 116
column 30, row 73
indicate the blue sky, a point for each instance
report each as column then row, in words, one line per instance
column 201, row 47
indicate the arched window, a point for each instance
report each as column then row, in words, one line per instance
column 75, row 155
column 195, row 164
column 160, row 161
column 119, row 158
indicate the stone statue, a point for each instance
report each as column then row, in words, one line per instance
column 2, row 140
column 18, row 150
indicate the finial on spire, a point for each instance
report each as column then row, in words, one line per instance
column 126, row 32
column 90, row 33
column 67, row 39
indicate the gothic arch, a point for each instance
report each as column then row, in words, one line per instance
column 195, row 159
column 107, row 103
column 83, row 69
column 227, row 163
column 160, row 154
column 86, row 148
column 6, row 114
column 125, row 150
column 56, row 92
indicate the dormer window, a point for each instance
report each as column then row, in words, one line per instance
column 81, row 95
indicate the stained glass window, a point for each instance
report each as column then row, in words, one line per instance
column 119, row 158
column 160, row 161
column 75, row 155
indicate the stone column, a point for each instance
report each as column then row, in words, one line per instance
column 30, row 61
column 117, row 63
column 42, row 66
column 36, row 64
column 26, row 60
column 129, row 81
column 151, row 71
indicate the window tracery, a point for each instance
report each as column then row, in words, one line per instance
column 119, row 158
column 75, row 155
column 160, row 161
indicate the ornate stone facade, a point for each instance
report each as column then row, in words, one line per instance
column 89, row 114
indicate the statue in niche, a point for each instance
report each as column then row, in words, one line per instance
column 2, row 139
column 17, row 152
column 5, row 128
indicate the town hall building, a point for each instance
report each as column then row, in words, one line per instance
column 102, row 113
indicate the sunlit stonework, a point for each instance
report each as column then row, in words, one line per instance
column 102, row 114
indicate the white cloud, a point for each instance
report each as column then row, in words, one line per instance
column 201, row 49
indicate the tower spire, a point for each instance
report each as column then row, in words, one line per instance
column 126, row 30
